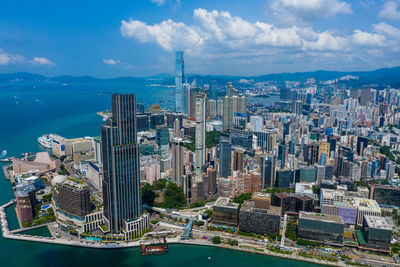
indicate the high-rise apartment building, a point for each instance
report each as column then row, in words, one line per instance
column 238, row 160
column 121, row 180
column 179, row 78
column 232, row 105
column 200, row 130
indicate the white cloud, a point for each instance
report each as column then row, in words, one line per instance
column 222, row 36
column 7, row 58
column 326, row 42
column 111, row 61
column 387, row 30
column 117, row 62
column 158, row 2
column 42, row 61
column 4, row 59
column 296, row 11
column 168, row 34
column 366, row 38
column 390, row 10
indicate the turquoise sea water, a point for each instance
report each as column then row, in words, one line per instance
column 30, row 110
column 42, row 231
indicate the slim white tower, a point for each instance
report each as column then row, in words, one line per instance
column 200, row 130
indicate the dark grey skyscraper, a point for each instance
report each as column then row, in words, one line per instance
column 121, row 181
column 268, row 171
column 225, row 156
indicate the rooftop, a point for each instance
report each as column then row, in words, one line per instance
column 367, row 204
column 385, row 223
column 224, row 202
column 261, row 195
column 321, row 217
column 304, row 188
column 250, row 206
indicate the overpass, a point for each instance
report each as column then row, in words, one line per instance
column 187, row 233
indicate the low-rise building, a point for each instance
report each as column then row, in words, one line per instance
column 366, row 207
column 225, row 213
column 79, row 224
column 292, row 203
column 376, row 233
column 259, row 221
column 261, row 200
column 386, row 195
column 323, row 228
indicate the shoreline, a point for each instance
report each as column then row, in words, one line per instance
column 15, row 235
column 7, row 234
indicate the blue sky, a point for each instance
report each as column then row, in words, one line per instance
column 236, row 37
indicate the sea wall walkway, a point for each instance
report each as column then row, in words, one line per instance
column 88, row 244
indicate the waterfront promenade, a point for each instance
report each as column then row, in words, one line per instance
column 176, row 240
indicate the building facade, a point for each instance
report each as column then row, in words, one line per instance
column 121, row 179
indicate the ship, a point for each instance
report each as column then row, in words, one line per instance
column 154, row 249
column 45, row 141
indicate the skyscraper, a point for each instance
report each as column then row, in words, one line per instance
column 200, row 130
column 297, row 107
column 238, row 160
column 177, row 160
column 179, row 77
column 268, row 171
column 232, row 105
column 282, row 153
column 225, row 156
column 286, row 93
column 213, row 90
column 186, row 98
column 177, row 128
column 121, row 179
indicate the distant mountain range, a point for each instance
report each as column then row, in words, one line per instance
column 381, row 77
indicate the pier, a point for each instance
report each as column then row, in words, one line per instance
column 5, row 171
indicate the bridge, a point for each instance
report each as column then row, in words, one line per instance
column 187, row 233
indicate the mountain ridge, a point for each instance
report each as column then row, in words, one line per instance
column 382, row 76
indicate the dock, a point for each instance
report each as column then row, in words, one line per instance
column 5, row 171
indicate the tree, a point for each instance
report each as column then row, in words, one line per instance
column 386, row 151
column 208, row 212
column 174, row 196
column 216, row 240
column 46, row 197
column 212, row 138
column 242, row 198
column 160, row 184
column 233, row 242
column 148, row 195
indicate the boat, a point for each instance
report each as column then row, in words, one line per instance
column 3, row 154
column 6, row 159
column 154, row 249
column 209, row 259
column 46, row 140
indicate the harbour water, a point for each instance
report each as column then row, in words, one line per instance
column 29, row 110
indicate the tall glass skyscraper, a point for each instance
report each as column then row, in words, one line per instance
column 225, row 156
column 179, row 77
column 121, row 179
